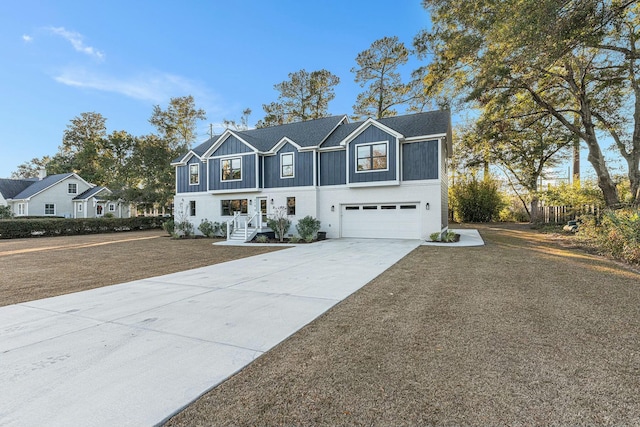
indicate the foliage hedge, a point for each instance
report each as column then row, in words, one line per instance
column 19, row 228
column 617, row 233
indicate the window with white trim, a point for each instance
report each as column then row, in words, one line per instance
column 231, row 169
column 286, row 165
column 112, row 207
column 371, row 157
column 20, row 208
column 49, row 209
column 194, row 174
column 72, row 189
column 79, row 207
column 192, row 207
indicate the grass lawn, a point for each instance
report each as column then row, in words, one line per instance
column 521, row 331
column 49, row 266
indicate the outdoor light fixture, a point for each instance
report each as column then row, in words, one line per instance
column 333, row 208
column 271, row 201
column 427, row 206
column 250, row 201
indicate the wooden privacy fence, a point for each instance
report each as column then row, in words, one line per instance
column 562, row 214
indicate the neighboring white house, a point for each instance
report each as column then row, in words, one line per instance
column 63, row 195
column 384, row 178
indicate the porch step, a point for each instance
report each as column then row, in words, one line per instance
column 238, row 234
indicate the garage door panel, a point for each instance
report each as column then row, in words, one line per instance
column 394, row 221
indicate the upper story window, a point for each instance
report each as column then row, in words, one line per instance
column 73, row 189
column 372, row 157
column 286, row 165
column 194, row 174
column 231, row 169
column 49, row 209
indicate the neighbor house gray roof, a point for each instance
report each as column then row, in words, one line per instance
column 10, row 187
column 40, row 185
column 333, row 130
column 89, row 193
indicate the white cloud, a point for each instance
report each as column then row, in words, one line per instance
column 76, row 40
column 27, row 38
column 156, row 87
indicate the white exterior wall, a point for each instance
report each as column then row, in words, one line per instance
column 58, row 195
column 317, row 202
column 421, row 192
column 209, row 206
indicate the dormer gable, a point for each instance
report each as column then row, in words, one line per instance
column 230, row 138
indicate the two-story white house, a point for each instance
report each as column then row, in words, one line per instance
column 383, row 178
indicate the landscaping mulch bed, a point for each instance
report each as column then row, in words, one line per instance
column 43, row 267
column 521, row 331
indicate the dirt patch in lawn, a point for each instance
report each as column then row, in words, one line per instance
column 44, row 267
column 520, row 331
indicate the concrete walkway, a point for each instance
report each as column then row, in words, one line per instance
column 136, row 353
column 468, row 238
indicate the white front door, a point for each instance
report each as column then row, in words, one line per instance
column 262, row 205
column 381, row 220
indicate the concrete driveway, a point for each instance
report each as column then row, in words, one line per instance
column 136, row 353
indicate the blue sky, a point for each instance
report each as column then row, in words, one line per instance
column 120, row 58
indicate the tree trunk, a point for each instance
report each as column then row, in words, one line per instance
column 606, row 184
column 535, row 212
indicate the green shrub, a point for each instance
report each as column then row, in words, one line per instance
column 308, row 227
column 169, row 226
column 294, row 239
column 184, row 229
column 616, row 234
column 19, row 228
column 473, row 200
column 223, row 230
column 262, row 239
column 209, row 228
column 5, row 212
column 435, row 237
column 109, row 215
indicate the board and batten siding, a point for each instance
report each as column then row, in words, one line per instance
column 333, row 168
column 303, row 169
column 248, row 175
column 373, row 134
column 420, row 160
column 230, row 146
column 183, row 177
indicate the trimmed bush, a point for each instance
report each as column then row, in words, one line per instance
column 308, row 228
column 208, row 228
column 20, row 228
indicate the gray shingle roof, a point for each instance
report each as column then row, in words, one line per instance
column 429, row 123
column 305, row 134
column 40, row 185
column 10, row 187
column 89, row 193
column 312, row 132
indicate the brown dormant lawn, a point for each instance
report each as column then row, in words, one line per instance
column 522, row 331
column 43, row 267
